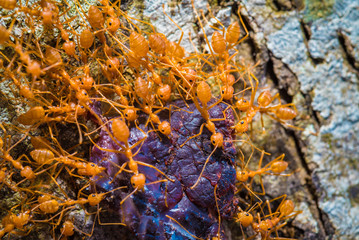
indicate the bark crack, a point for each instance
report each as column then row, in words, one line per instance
column 306, row 37
column 324, row 222
column 348, row 51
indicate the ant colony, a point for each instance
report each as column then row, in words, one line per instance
column 118, row 126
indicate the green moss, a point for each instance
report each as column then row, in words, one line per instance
column 315, row 9
column 327, row 138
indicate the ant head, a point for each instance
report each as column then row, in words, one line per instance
column 113, row 64
column 130, row 114
column 138, row 181
column 93, row 170
column 227, row 78
column 95, row 199
column 227, row 92
column 217, row 139
column 48, row 16
column 20, row 219
column 164, row 92
column 34, row 68
column 87, row 82
column 242, row 104
column 67, row 228
column 113, row 24
column 69, row 48
column 241, row 126
column 191, row 75
column 266, row 225
column 165, row 128
column 82, row 96
column 242, row 175
column 245, row 218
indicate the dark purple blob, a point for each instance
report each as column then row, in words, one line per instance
column 195, row 209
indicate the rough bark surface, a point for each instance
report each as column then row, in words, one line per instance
column 309, row 51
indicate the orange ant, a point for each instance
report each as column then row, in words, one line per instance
column 121, row 134
column 203, row 92
column 45, row 155
column 5, row 144
column 267, row 226
column 219, row 43
column 38, row 115
column 219, row 46
column 279, row 112
column 244, row 217
column 8, row 4
column 15, row 221
column 275, row 167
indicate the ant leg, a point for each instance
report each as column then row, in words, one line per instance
column 106, row 224
column 197, row 55
column 271, row 109
column 155, row 182
column 283, row 197
column 285, row 124
column 78, row 126
column 219, row 213
column 280, row 158
column 277, row 96
column 165, row 195
column 204, row 166
column 219, row 22
column 147, row 23
column 224, row 115
column 194, row 136
column 129, row 195
column 204, row 32
column 150, row 166
column 244, row 26
column 119, row 171
column 141, row 142
column 253, row 194
column 178, row 109
column 183, row 227
column 262, row 186
column 232, row 56
column 244, row 237
column 109, row 102
column 104, row 149
column 262, row 124
column 261, row 160
column 24, row 156
column 182, row 33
